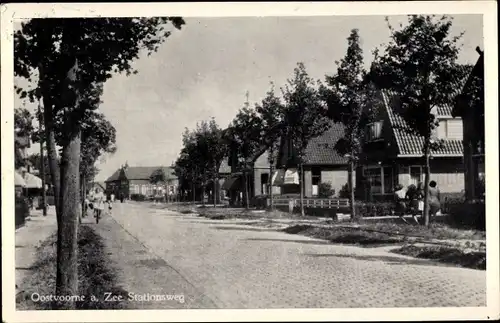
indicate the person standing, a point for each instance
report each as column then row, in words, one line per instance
column 412, row 195
column 400, row 201
column 434, row 199
column 98, row 202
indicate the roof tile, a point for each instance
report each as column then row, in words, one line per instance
column 410, row 143
column 321, row 150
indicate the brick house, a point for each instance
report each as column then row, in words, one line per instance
column 136, row 180
column 392, row 154
column 322, row 165
column 469, row 106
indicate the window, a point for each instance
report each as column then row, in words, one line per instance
column 380, row 179
column 415, row 175
column 373, row 177
column 264, row 183
column 316, row 180
column 374, row 131
column 388, row 180
column 450, row 129
column 316, row 175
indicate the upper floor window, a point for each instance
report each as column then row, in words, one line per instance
column 374, row 131
column 450, row 129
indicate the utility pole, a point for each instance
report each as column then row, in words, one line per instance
column 42, row 162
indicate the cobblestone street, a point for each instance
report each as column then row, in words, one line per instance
column 237, row 266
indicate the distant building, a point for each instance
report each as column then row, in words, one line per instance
column 137, row 180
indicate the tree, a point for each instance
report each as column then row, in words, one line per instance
column 271, row 113
column 74, row 57
column 23, row 122
column 419, row 64
column 158, row 176
column 98, row 138
column 305, row 117
column 245, row 134
column 212, row 148
column 346, row 96
column 189, row 164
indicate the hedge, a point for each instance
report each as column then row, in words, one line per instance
column 138, row 197
column 22, row 210
column 467, row 214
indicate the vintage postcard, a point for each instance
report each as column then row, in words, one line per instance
column 250, row 161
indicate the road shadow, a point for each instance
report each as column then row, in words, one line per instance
column 390, row 260
column 244, row 229
column 315, row 242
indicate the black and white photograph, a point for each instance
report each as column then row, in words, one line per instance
column 326, row 156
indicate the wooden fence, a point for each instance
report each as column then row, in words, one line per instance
column 334, row 203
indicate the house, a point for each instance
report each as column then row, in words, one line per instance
column 393, row 153
column 130, row 180
column 257, row 177
column 322, row 165
column 469, row 106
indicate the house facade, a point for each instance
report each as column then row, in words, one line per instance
column 393, row 153
column 322, row 164
column 469, row 106
column 137, row 180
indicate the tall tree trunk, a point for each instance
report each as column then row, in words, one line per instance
column 67, row 260
column 271, row 183
column 52, row 155
column 42, row 166
column 301, row 184
column 426, row 183
column 84, row 194
column 351, row 190
column 245, row 181
column 204, row 187
column 215, row 187
column 44, row 40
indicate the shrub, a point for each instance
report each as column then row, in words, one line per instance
column 325, row 190
column 467, row 214
column 344, row 192
column 22, row 210
column 372, row 209
column 259, row 201
column 138, row 197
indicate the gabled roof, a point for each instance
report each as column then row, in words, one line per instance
column 321, row 150
column 141, row 173
column 409, row 143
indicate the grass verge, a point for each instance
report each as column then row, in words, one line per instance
column 455, row 256
column 438, row 231
column 95, row 275
column 345, row 235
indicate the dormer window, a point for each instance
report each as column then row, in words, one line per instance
column 450, row 129
column 374, row 131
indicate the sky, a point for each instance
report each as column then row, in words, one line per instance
column 205, row 69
